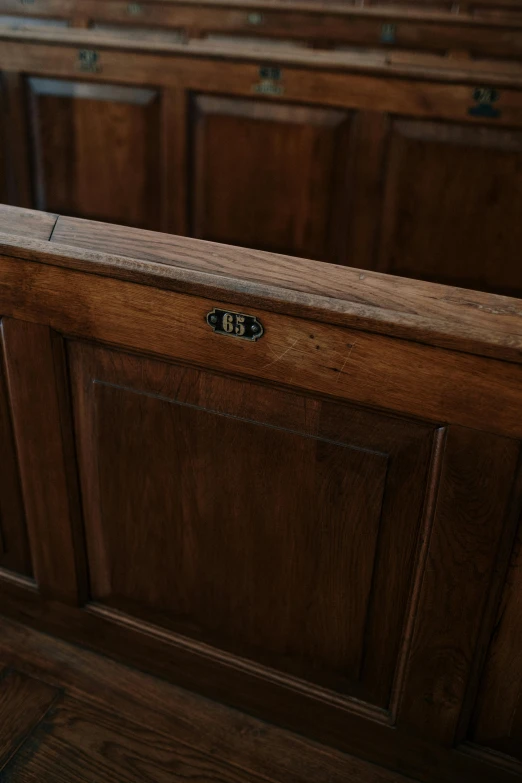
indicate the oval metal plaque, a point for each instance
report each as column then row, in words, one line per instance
column 246, row 327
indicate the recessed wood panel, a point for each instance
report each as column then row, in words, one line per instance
column 269, row 176
column 258, row 521
column 453, row 199
column 96, row 151
column 14, row 548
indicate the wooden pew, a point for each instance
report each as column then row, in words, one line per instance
column 362, row 160
column 458, row 29
column 288, row 486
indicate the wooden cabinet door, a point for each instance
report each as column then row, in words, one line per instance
column 14, row 548
column 452, row 205
column 96, row 150
column 271, row 177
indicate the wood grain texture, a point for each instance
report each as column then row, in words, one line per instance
column 498, row 721
column 24, row 702
column 377, row 61
column 26, row 222
column 468, row 321
column 14, row 546
column 314, row 528
column 350, row 364
column 473, row 502
column 265, row 175
column 322, row 578
column 38, row 416
column 302, row 171
column 76, row 741
column 394, row 749
column 431, row 225
column 96, row 150
column 230, row 736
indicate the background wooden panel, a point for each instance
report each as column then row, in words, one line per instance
column 96, row 150
column 16, row 132
column 453, row 197
column 268, row 176
column 498, row 719
column 222, row 546
column 14, row 546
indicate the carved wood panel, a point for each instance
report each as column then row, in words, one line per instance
column 275, row 526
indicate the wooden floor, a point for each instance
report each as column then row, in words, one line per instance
column 70, row 716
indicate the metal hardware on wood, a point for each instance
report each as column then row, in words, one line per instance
column 388, row 33
column 88, row 61
column 485, row 97
column 246, row 327
column 269, row 81
column 255, row 18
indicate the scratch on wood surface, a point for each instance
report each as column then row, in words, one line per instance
column 345, row 361
column 278, row 358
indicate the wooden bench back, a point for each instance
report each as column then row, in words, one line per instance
column 363, row 160
column 290, row 489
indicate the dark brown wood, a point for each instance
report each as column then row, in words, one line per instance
column 498, row 721
column 96, row 150
column 441, row 27
column 16, row 134
column 14, row 546
column 33, row 375
column 439, row 180
column 349, row 364
column 480, row 471
column 24, row 701
column 86, row 739
column 264, row 175
column 324, row 441
column 315, row 527
column 322, row 161
column 189, row 721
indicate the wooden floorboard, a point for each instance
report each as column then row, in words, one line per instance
column 117, row 725
column 24, row 702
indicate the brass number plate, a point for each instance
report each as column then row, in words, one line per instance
column 269, row 81
column 246, row 327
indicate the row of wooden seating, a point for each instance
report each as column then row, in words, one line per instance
column 275, row 483
column 477, row 29
column 354, row 159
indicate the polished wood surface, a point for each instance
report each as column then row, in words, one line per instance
column 450, row 29
column 251, row 153
column 66, row 708
column 320, row 528
column 355, row 159
column 439, row 179
column 96, row 150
